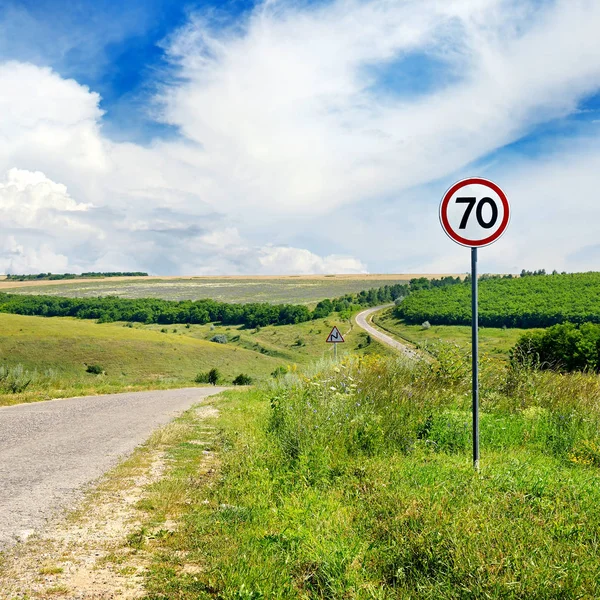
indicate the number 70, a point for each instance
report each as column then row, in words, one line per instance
column 471, row 202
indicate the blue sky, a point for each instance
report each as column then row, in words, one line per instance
column 115, row 48
column 228, row 137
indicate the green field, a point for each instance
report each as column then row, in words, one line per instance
column 52, row 354
column 275, row 291
column 493, row 341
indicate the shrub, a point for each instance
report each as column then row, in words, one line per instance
column 280, row 371
column 202, row 378
column 15, row 380
column 94, row 369
column 214, row 376
column 219, row 339
column 564, row 347
column 242, row 379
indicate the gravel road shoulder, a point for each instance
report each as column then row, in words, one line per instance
column 50, row 450
column 88, row 555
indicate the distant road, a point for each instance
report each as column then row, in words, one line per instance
column 362, row 320
column 49, row 450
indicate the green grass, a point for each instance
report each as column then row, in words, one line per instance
column 493, row 341
column 275, row 291
column 355, row 482
column 43, row 358
column 299, row 344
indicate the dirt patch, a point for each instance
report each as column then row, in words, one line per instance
column 91, row 554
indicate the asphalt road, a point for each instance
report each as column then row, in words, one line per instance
column 362, row 320
column 49, row 450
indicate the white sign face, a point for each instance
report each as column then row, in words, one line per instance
column 474, row 212
column 335, row 337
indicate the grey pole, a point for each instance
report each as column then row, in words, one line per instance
column 475, row 358
column 335, row 350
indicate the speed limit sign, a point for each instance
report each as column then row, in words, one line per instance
column 474, row 212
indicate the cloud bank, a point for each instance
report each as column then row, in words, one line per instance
column 306, row 146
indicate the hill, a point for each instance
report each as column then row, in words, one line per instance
column 533, row 301
column 42, row 358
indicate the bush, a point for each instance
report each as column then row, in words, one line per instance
column 202, row 378
column 214, row 376
column 219, row 339
column 94, row 369
column 563, row 347
column 242, row 379
column 280, row 371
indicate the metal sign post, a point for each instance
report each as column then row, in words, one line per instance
column 474, row 212
column 475, row 356
column 335, row 338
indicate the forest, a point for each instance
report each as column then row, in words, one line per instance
column 527, row 302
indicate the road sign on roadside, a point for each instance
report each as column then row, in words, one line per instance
column 474, row 212
column 335, row 338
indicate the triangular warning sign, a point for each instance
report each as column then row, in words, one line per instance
column 335, row 337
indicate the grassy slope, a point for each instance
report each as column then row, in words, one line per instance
column 493, row 341
column 142, row 357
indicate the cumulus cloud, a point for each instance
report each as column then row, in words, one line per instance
column 288, row 123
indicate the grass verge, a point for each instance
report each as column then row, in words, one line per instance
column 355, row 482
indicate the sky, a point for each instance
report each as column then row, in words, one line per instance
column 294, row 136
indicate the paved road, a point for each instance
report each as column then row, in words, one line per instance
column 49, row 450
column 362, row 320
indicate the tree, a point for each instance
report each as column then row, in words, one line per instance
column 214, row 376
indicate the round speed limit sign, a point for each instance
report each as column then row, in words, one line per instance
column 474, row 212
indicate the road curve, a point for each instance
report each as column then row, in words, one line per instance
column 362, row 320
column 49, row 450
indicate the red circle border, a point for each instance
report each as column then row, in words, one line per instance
column 446, row 223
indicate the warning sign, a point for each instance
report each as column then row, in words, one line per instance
column 335, row 337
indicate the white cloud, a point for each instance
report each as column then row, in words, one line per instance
column 286, row 129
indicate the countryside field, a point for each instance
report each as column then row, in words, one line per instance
column 349, row 478
column 294, row 290
column 43, row 358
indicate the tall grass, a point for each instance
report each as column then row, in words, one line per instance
column 355, row 481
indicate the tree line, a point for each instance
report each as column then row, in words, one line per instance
column 155, row 310
column 527, row 302
column 88, row 275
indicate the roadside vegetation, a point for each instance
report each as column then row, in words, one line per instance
column 534, row 300
column 354, row 480
column 565, row 347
